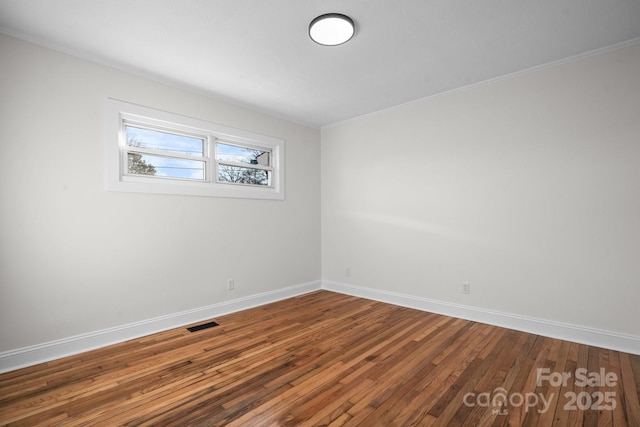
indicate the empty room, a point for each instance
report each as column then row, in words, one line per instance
column 301, row 213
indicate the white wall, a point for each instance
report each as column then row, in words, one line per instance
column 527, row 187
column 76, row 259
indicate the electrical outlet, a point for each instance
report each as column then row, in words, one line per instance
column 466, row 288
column 231, row 284
column 347, row 271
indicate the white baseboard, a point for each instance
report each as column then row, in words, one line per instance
column 574, row 333
column 33, row 355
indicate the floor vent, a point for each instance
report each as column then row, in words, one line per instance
column 201, row 327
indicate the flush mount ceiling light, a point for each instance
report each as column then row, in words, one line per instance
column 331, row 29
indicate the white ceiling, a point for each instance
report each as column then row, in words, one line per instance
column 257, row 52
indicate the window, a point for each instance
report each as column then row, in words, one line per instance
column 243, row 165
column 153, row 151
column 163, row 153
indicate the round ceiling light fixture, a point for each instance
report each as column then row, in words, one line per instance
column 331, row 29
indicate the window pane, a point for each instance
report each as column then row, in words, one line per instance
column 242, row 175
column 233, row 153
column 146, row 164
column 164, row 141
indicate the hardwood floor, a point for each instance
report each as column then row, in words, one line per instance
column 330, row 359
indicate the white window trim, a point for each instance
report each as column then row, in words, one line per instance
column 117, row 111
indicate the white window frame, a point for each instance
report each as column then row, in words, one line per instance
column 155, row 125
column 218, row 162
column 117, row 113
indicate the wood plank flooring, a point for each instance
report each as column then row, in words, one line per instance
column 329, row 359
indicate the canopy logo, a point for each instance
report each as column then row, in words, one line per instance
column 500, row 400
